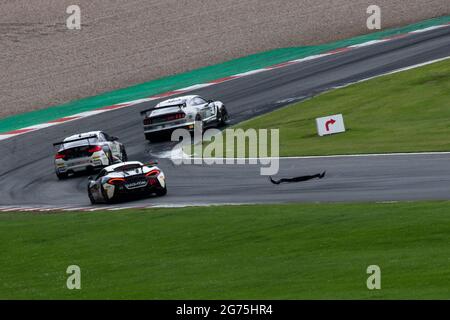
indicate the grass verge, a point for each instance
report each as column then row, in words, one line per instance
column 244, row 252
column 403, row 112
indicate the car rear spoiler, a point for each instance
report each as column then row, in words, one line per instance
column 80, row 139
column 151, row 163
column 165, row 107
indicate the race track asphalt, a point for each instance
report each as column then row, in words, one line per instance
column 27, row 174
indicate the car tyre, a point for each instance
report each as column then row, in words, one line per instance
column 223, row 117
column 91, row 197
column 161, row 191
column 148, row 137
column 62, row 176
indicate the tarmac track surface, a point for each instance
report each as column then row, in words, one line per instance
column 27, row 161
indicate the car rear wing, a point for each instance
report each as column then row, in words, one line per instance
column 151, row 163
column 75, row 140
column 125, row 167
column 165, row 107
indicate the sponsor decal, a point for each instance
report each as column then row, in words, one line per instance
column 137, row 184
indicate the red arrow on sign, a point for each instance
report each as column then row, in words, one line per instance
column 328, row 123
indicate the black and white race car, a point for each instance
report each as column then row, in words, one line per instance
column 87, row 151
column 183, row 112
column 127, row 179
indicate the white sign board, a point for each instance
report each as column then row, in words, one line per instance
column 330, row 125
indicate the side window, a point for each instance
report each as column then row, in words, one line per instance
column 104, row 137
column 198, row 101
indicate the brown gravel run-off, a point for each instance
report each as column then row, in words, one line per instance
column 122, row 43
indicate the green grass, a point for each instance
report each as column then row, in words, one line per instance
column 403, row 112
column 246, row 252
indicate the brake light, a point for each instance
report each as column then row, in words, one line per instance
column 95, row 149
column 154, row 172
column 59, row 155
column 170, row 117
column 175, row 116
column 116, row 181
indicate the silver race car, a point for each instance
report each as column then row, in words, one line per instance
column 127, row 179
column 87, row 151
column 182, row 112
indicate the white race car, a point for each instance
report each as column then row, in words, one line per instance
column 87, row 151
column 183, row 112
column 127, row 179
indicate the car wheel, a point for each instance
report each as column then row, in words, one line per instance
column 62, row 176
column 223, row 117
column 91, row 197
column 161, row 191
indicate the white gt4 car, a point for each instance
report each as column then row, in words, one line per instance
column 126, row 180
column 86, row 152
column 183, row 112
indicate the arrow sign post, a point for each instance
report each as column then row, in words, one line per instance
column 330, row 125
